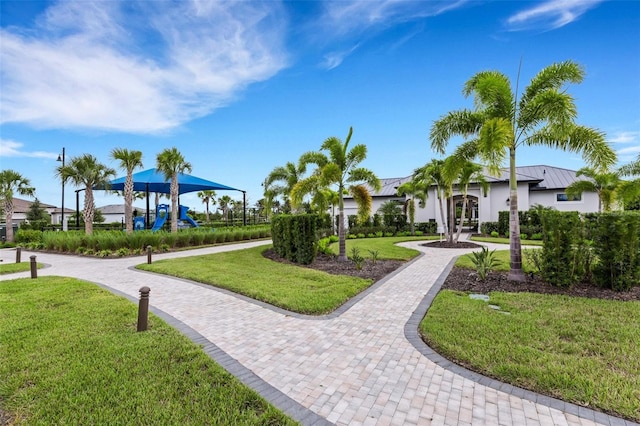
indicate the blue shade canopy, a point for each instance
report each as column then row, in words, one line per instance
column 152, row 180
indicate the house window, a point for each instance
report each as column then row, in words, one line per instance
column 564, row 197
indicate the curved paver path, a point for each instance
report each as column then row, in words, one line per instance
column 354, row 367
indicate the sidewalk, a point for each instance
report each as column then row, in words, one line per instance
column 363, row 365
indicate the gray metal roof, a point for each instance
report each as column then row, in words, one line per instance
column 117, row 209
column 541, row 177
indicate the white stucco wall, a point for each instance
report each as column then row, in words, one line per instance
column 588, row 204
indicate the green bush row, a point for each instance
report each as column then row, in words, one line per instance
column 113, row 241
column 295, row 237
column 604, row 248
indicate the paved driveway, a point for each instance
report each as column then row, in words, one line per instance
column 356, row 366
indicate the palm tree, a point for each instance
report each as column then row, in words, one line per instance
column 12, row 182
column 208, row 196
column 604, row 184
column 129, row 161
column 339, row 169
column 465, row 174
column 500, row 123
column 225, row 202
column 171, row 162
column 629, row 191
column 86, row 171
column 433, row 173
column 414, row 189
column 287, row 175
column 631, row 169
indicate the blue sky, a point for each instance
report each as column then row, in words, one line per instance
column 242, row 87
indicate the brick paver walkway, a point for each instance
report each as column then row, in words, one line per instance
column 356, row 366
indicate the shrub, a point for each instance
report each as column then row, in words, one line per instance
column 357, row 258
column 537, row 236
column 523, row 236
column 488, row 228
column 617, row 245
column 375, row 254
column 361, row 235
column 484, row 261
column 294, row 237
column 495, row 234
column 561, row 237
column 503, row 222
column 419, row 233
column 25, row 236
column 352, row 236
column 324, row 246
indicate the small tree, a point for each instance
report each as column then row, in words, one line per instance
column 12, row 182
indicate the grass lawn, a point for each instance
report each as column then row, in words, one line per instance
column 247, row 272
column 502, row 256
column 498, row 240
column 385, row 246
column 10, row 268
column 70, row 354
column 577, row 349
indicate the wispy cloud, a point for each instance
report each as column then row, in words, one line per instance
column 550, row 15
column 160, row 64
column 334, row 59
column 354, row 16
column 353, row 21
column 626, row 144
column 9, row 148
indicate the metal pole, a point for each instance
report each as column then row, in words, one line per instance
column 244, row 208
column 34, row 267
column 143, row 308
column 78, row 209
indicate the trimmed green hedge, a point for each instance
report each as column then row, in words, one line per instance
column 295, row 237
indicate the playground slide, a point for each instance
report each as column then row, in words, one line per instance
column 188, row 219
column 162, row 212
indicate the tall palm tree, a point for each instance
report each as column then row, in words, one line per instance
column 12, row 182
column 463, row 176
column 287, row 176
column 605, row 184
column 225, row 202
column 208, row 196
column 543, row 116
column 129, row 161
column 339, row 169
column 631, row 169
column 87, row 171
column 414, row 189
column 171, row 162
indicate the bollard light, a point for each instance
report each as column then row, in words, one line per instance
column 34, row 267
column 18, row 254
column 149, row 255
column 143, row 308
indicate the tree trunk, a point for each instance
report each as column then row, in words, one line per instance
column 412, row 215
column 462, row 215
column 128, row 203
column 174, row 203
column 452, row 219
column 8, row 214
column 442, row 217
column 207, row 204
column 515, row 249
column 87, row 212
column 342, row 241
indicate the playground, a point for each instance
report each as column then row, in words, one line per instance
column 162, row 215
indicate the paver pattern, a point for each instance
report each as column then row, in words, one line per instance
column 355, row 368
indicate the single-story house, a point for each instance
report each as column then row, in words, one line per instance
column 21, row 208
column 544, row 185
column 115, row 212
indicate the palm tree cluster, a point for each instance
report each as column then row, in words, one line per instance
column 335, row 174
column 544, row 115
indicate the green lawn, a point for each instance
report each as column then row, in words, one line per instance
column 247, row 272
column 580, row 350
column 385, row 246
column 499, row 240
column 10, row 268
column 70, row 354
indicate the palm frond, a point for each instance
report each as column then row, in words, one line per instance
column 463, row 122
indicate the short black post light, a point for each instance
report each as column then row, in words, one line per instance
column 61, row 158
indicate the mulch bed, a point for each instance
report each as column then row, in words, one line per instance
column 461, row 279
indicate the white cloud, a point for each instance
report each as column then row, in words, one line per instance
column 160, row 64
column 334, row 59
column 354, row 16
column 9, row 148
column 551, row 14
column 625, row 137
